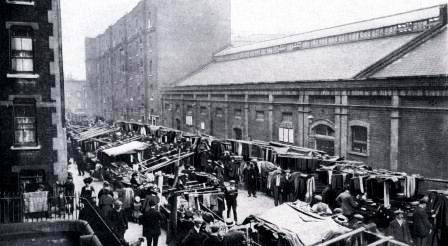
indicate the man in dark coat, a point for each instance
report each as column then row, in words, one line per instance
column 194, row 237
column 422, row 226
column 150, row 221
column 347, row 203
column 399, row 228
column 231, row 194
column 251, row 174
column 118, row 221
column 213, row 239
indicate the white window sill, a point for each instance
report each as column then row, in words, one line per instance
column 26, row 147
column 29, row 3
column 22, row 76
column 358, row 153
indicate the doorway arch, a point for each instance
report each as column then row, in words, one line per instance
column 323, row 135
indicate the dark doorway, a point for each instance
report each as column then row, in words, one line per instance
column 177, row 124
column 238, row 133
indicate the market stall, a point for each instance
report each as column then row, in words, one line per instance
column 293, row 224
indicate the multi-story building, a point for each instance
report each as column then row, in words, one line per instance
column 157, row 43
column 32, row 135
column 77, row 96
column 373, row 91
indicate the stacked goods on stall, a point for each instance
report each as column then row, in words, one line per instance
column 292, row 224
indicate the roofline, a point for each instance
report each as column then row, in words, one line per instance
column 189, row 87
column 332, row 27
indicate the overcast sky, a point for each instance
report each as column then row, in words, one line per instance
column 87, row 18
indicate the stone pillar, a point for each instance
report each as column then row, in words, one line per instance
column 305, row 123
column 246, row 116
column 226, row 114
column 301, row 118
column 341, row 122
column 271, row 117
column 394, row 132
column 195, row 104
column 210, row 114
column 182, row 113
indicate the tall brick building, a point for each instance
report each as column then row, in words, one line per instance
column 77, row 96
column 32, row 135
column 158, row 42
column 374, row 91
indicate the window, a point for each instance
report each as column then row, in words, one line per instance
column 219, row 112
column 189, row 120
column 23, row 2
column 286, row 117
column 177, row 107
column 323, row 130
column 203, row 110
column 22, row 49
column 25, row 123
column 237, row 113
column 167, row 106
column 202, row 125
column 189, row 110
column 359, row 139
column 259, row 115
column 286, row 135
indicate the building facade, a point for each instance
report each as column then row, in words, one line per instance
column 77, row 96
column 373, row 91
column 157, row 43
column 32, row 135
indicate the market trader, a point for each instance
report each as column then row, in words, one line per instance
column 231, row 193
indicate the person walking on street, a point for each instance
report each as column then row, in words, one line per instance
column 150, row 220
column 80, row 162
column 422, row 227
column 194, row 237
column 126, row 196
column 118, row 221
column 251, row 173
column 399, row 228
column 231, row 194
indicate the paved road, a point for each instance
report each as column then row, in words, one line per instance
column 246, row 206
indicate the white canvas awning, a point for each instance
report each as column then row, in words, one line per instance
column 127, row 148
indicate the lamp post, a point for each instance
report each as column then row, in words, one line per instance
column 310, row 122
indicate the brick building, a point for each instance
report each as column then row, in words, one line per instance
column 77, row 96
column 32, row 135
column 157, row 43
column 374, row 91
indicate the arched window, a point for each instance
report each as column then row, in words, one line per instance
column 323, row 135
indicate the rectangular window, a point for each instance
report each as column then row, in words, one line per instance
column 237, row 113
column 202, row 125
column 359, row 139
column 25, row 123
column 22, row 49
column 189, row 110
column 259, row 115
column 189, row 120
column 167, row 107
column 286, row 135
column 219, row 112
column 286, row 117
column 203, row 110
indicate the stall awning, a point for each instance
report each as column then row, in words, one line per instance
column 299, row 226
column 95, row 133
column 127, row 148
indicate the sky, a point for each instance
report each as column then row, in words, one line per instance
column 88, row 18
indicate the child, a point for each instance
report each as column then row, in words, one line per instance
column 136, row 209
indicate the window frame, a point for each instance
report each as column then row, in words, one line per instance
column 30, row 35
column 21, row 2
column 219, row 112
column 238, row 113
column 257, row 113
column 352, row 125
column 286, row 135
column 31, row 104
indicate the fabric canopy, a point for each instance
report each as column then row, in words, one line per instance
column 300, row 226
column 127, row 148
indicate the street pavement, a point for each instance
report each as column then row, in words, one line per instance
column 246, row 206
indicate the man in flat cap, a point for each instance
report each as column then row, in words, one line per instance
column 150, row 220
column 213, row 239
column 118, row 220
column 231, row 194
column 195, row 236
column 399, row 228
column 319, row 207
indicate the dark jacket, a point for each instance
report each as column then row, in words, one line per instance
column 212, row 240
column 193, row 238
column 118, row 221
column 234, row 238
column 421, row 225
column 151, row 222
column 400, row 233
column 347, row 203
column 231, row 194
